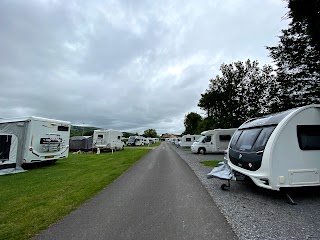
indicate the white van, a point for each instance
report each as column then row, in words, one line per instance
column 32, row 139
column 187, row 140
column 213, row 141
column 107, row 140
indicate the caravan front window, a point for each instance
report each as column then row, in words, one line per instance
column 207, row 139
column 247, row 139
column 63, row 128
column 309, row 137
column 188, row 139
column 263, row 138
column 100, row 136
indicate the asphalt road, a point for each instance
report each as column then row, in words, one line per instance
column 160, row 197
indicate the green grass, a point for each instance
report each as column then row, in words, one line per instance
column 212, row 163
column 31, row 201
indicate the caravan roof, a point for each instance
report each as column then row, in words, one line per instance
column 20, row 119
column 209, row 132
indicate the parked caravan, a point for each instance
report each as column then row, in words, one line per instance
column 146, row 141
column 135, row 141
column 131, row 141
column 32, row 139
column 139, row 141
column 83, row 143
column 187, row 140
column 280, row 150
column 107, row 140
column 213, row 141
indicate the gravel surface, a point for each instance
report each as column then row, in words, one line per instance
column 257, row 213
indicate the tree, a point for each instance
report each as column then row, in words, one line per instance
column 308, row 14
column 241, row 92
column 191, row 122
column 298, row 67
column 150, row 133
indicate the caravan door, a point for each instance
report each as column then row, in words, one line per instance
column 8, row 151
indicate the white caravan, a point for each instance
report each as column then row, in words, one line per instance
column 107, row 140
column 135, row 141
column 146, row 141
column 32, row 139
column 280, row 150
column 187, row 140
column 213, row 141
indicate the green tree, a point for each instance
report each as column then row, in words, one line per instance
column 307, row 13
column 298, row 68
column 150, row 133
column 241, row 92
column 191, row 123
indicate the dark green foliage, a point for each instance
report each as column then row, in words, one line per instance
column 307, row 13
column 150, row 133
column 298, row 68
column 242, row 92
column 191, row 123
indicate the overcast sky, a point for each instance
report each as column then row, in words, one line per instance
column 121, row 64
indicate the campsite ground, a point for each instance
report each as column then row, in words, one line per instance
column 31, row 201
column 257, row 213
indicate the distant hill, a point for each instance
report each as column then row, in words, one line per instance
column 79, row 130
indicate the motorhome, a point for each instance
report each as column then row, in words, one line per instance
column 107, row 140
column 280, row 150
column 213, row 141
column 187, row 140
column 32, row 139
column 135, row 141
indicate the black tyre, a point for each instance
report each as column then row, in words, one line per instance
column 202, row 151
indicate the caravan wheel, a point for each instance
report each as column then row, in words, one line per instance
column 202, row 151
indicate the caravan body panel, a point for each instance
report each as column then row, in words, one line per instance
column 188, row 140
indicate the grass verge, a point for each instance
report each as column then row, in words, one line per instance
column 212, row 163
column 31, row 201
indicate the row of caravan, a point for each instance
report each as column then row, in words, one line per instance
column 140, row 141
column 210, row 141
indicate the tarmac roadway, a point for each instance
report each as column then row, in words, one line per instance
column 158, row 198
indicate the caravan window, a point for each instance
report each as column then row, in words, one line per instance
column 207, row 139
column 225, row 138
column 247, row 139
column 263, row 138
column 309, row 137
column 119, row 137
column 100, row 136
column 63, row 128
column 235, row 139
column 188, row 139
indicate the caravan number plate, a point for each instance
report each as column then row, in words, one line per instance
column 48, row 156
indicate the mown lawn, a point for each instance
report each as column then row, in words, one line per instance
column 212, row 163
column 31, row 201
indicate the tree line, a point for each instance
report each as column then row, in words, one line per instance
column 245, row 90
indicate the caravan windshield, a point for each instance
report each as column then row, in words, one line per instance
column 200, row 139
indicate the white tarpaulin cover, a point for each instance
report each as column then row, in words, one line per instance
column 222, row 171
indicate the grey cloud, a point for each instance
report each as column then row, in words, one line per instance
column 122, row 64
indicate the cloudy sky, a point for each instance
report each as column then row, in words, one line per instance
column 121, row 64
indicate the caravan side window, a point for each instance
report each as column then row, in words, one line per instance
column 63, row 128
column 188, row 139
column 309, row 137
column 207, row 139
column 119, row 137
column 100, row 136
column 225, row 138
